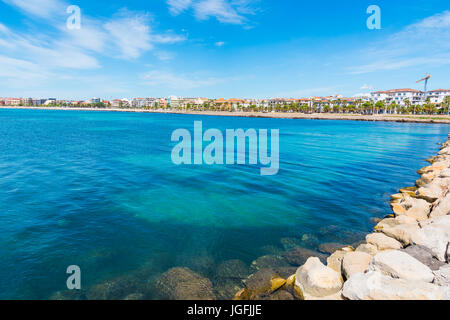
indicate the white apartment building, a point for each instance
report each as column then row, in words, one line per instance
column 144, row 102
column 398, row 96
column 438, row 95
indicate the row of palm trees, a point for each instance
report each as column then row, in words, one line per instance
column 335, row 106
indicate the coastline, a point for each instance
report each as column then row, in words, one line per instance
column 407, row 257
column 439, row 119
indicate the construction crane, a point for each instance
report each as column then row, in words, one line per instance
column 427, row 77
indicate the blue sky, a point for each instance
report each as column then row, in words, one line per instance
column 220, row 48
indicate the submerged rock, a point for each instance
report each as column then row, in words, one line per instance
column 264, row 281
column 330, row 247
column 290, row 243
column 278, row 295
column 135, row 296
column 184, row 284
column 298, row 256
column 269, row 261
column 232, row 269
column 229, row 277
column 375, row 286
column 315, row 279
column 69, row 295
column 116, row 288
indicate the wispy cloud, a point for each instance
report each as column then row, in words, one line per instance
column 158, row 78
column 366, row 87
column 178, row 6
column 219, row 44
column 40, row 8
column 225, row 11
column 425, row 43
column 126, row 35
column 131, row 34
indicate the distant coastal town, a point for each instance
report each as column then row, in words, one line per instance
column 394, row 101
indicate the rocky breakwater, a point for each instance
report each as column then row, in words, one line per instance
column 406, row 257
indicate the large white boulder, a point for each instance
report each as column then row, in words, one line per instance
column 367, row 248
column 401, row 232
column 355, row 262
column 434, row 190
column 335, row 260
column 442, row 208
column 435, row 236
column 316, row 279
column 398, row 264
column 382, row 241
column 442, row 276
column 376, row 286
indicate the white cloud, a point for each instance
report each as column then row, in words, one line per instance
column 170, row 80
column 40, row 8
column 366, row 87
column 425, row 43
column 178, row 6
column 225, row 11
column 130, row 34
column 219, row 44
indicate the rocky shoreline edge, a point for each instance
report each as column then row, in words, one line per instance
column 406, row 257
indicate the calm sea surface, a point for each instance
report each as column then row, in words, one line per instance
column 99, row 190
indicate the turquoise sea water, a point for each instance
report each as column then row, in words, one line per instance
column 99, row 190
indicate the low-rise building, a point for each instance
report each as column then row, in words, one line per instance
column 438, row 96
column 399, row 96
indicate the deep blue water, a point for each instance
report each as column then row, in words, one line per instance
column 99, row 190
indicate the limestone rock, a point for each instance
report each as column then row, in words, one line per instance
column 445, row 173
column 382, row 241
column 392, row 222
column 424, row 255
column 401, row 233
column 316, row 279
column 442, row 276
column 434, row 190
column 367, row 248
column 399, row 264
column 425, row 179
column 335, row 260
column 375, row 286
column 355, row 262
column 435, row 237
column 442, row 208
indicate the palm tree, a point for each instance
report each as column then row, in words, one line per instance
column 447, row 102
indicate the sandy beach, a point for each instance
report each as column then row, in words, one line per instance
column 278, row 115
